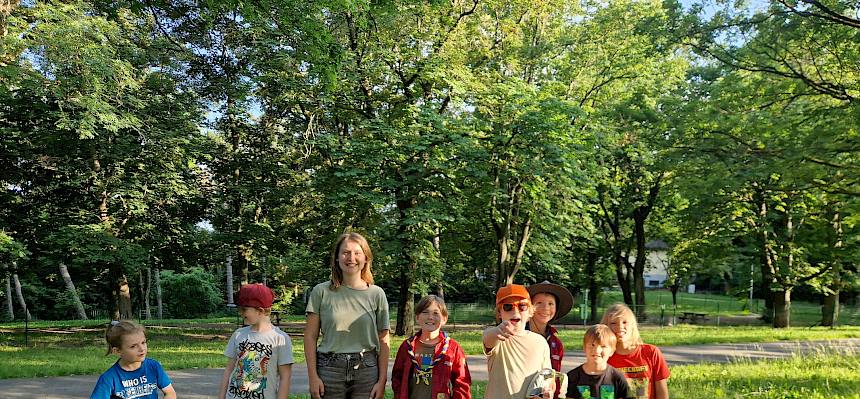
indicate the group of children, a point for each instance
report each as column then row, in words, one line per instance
column 346, row 342
column 617, row 363
column 429, row 364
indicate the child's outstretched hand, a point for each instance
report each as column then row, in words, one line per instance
column 506, row 330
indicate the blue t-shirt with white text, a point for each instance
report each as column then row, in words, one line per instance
column 145, row 382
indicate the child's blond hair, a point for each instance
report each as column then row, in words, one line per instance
column 621, row 311
column 118, row 329
column 600, row 333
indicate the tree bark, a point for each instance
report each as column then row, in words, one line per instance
column 9, row 309
column 830, row 310
column 782, row 308
column 158, row 293
column 20, row 296
column 767, row 278
column 521, row 249
column 70, row 287
column 229, row 273
column 830, row 307
column 639, row 264
column 124, row 299
column 405, row 310
column 405, row 321
column 440, row 285
column 593, row 287
column 146, row 293
column 623, row 276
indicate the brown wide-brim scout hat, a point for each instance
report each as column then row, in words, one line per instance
column 563, row 298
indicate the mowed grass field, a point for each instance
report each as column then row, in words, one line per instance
column 77, row 348
column 74, row 347
column 721, row 310
column 833, row 376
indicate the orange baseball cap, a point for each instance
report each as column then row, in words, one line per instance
column 511, row 291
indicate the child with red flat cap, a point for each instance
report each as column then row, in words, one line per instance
column 515, row 356
column 259, row 355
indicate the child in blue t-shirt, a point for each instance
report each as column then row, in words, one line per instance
column 133, row 375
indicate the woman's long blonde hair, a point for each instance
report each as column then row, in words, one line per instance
column 336, row 273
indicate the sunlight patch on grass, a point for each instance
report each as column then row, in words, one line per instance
column 815, row 376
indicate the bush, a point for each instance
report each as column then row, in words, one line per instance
column 189, row 295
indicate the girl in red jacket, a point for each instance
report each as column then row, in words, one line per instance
column 431, row 365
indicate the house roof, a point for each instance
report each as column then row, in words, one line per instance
column 656, row 244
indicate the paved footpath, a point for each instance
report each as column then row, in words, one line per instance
column 203, row 383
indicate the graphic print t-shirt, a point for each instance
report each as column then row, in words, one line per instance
column 258, row 355
column 145, row 382
column 642, row 368
column 421, row 388
column 611, row 384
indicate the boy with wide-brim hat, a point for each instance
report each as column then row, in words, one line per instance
column 551, row 302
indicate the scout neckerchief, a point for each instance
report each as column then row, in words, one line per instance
column 422, row 375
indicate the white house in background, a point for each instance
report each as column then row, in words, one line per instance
column 656, row 263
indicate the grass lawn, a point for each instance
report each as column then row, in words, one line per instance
column 74, row 348
column 817, row 376
column 81, row 349
column 687, row 335
column 834, row 376
column 802, row 313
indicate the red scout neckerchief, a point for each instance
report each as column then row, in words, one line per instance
column 422, row 375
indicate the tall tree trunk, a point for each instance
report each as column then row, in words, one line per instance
column 70, row 287
column 405, row 320
column 593, row 287
column 502, row 261
column 782, row 308
column 521, row 248
column 158, row 302
column 124, row 299
column 263, row 270
column 830, row 309
column 20, row 295
column 146, row 293
column 640, row 216
column 623, row 276
column 244, row 269
column 766, row 260
column 440, row 284
column 9, row 309
column 673, row 288
column 639, row 264
column 767, row 283
column 229, row 273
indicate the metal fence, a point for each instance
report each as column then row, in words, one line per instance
column 660, row 310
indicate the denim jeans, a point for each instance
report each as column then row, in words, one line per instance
column 348, row 375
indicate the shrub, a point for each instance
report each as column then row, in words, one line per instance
column 191, row 294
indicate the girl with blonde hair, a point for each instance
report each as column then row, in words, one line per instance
column 642, row 364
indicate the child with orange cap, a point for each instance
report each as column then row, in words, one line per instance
column 515, row 356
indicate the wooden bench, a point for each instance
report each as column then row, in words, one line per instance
column 276, row 317
column 693, row 317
